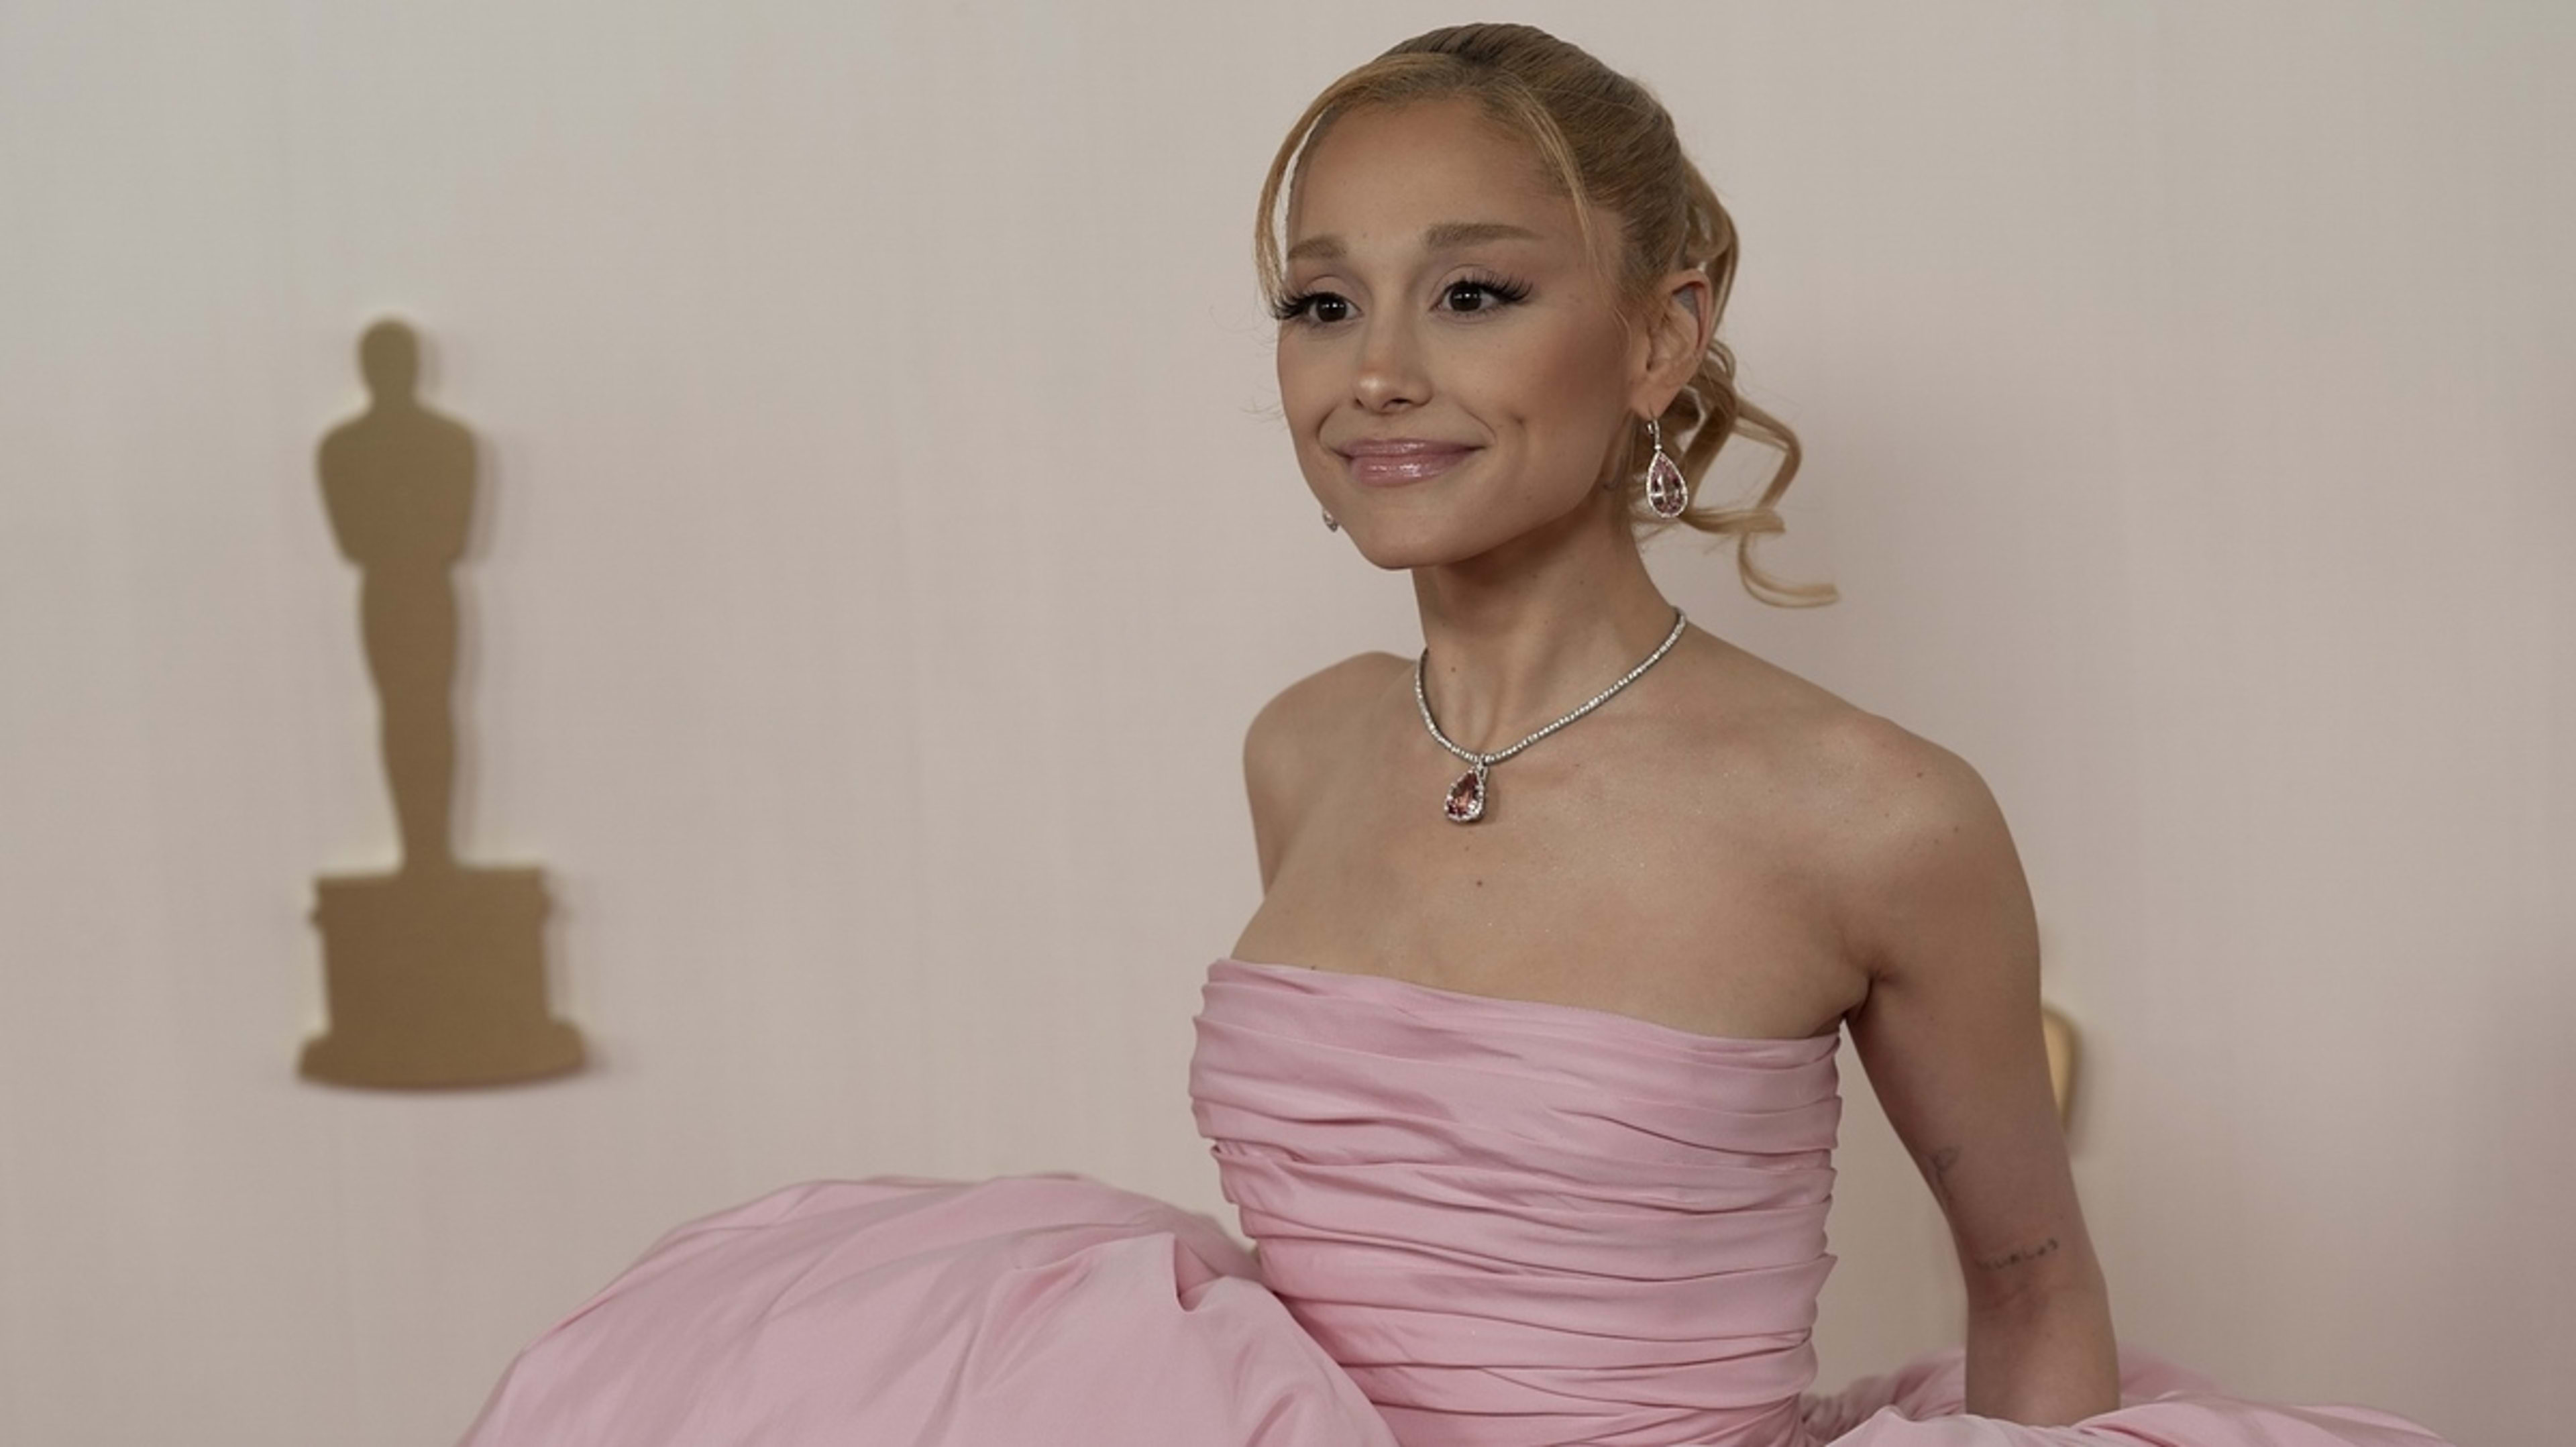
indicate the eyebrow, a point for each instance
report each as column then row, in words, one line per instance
column 1439, row 236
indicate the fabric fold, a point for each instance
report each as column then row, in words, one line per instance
column 1482, row 1223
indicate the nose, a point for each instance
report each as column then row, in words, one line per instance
column 1388, row 368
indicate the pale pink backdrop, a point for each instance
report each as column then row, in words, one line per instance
column 885, row 542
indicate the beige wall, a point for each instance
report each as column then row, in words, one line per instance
column 886, row 541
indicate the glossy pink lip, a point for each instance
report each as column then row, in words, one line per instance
column 1388, row 461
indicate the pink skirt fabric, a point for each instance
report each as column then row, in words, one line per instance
column 1483, row 1223
column 898, row 1310
column 1055, row 1309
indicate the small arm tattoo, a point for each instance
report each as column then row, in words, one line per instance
column 2015, row 1258
column 1937, row 1165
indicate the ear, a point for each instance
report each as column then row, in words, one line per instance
column 1674, row 340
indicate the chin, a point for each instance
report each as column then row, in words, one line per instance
column 1395, row 560
column 1456, row 529
column 1402, row 547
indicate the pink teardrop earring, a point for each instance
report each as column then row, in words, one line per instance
column 1667, row 491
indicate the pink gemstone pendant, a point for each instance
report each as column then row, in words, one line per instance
column 1466, row 801
column 1667, row 491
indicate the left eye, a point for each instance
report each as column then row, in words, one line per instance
column 1498, row 294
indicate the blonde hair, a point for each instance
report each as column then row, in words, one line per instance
column 1609, row 144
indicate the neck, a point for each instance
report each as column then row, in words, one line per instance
column 1521, row 634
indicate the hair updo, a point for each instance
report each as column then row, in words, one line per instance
column 1608, row 143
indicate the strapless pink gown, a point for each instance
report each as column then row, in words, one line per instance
column 1482, row 1223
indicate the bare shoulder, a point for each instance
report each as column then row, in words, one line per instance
column 1918, row 847
column 1299, row 731
column 1300, row 719
column 1894, row 777
column 1830, row 758
column 1889, row 825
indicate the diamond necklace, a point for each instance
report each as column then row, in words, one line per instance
column 1465, row 802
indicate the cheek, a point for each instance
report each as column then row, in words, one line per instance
column 1577, row 371
column 1307, row 394
column 1305, row 391
column 1556, row 384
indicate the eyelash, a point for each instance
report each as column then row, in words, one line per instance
column 1296, row 305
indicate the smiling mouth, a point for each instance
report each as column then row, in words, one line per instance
column 1389, row 469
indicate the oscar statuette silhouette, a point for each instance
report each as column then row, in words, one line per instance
column 434, row 974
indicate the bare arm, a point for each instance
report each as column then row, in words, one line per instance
column 1937, row 905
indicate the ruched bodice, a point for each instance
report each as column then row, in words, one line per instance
column 1517, row 1223
column 1482, row 1222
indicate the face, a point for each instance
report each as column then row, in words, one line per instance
column 1437, row 293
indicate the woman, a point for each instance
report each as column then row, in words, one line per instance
column 1522, row 1074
